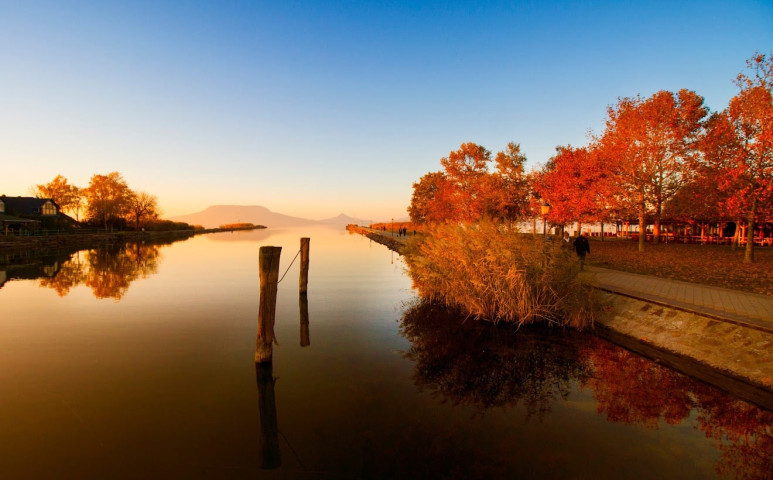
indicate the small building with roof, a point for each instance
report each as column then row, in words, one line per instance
column 28, row 214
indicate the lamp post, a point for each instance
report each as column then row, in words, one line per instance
column 392, row 227
column 545, row 209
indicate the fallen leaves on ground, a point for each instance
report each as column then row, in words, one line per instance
column 717, row 265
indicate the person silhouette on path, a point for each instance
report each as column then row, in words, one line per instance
column 582, row 247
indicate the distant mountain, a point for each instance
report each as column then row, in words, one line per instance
column 344, row 220
column 217, row 215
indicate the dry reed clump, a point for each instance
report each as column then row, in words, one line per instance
column 493, row 273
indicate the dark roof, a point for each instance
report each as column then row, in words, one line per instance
column 25, row 205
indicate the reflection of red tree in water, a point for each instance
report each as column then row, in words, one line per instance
column 744, row 434
column 630, row 389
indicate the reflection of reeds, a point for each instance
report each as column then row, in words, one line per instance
column 493, row 273
column 484, row 366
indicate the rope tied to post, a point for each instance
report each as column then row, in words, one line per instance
column 288, row 267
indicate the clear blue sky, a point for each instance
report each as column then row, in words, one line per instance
column 318, row 108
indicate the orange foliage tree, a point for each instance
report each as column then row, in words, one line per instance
column 68, row 197
column 467, row 171
column 512, row 183
column 466, row 190
column 702, row 199
column 649, row 141
column 432, row 199
column 750, row 173
column 578, row 185
column 108, row 198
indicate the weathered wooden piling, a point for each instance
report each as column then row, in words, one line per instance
column 303, row 280
column 303, row 304
column 269, row 426
column 269, row 277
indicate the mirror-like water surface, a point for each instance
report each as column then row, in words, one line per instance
column 137, row 362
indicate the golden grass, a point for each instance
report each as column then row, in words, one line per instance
column 492, row 273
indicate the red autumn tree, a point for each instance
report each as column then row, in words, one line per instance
column 649, row 141
column 578, row 185
column 513, row 182
column 466, row 190
column 701, row 199
column 432, row 199
column 467, row 171
column 750, row 172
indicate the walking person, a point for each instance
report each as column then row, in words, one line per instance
column 582, row 247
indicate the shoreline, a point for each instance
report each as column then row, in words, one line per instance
column 733, row 357
column 86, row 240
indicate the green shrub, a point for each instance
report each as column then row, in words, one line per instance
column 494, row 273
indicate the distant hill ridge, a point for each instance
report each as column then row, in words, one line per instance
column 217, row 215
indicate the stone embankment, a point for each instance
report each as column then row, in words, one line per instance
column 720, row 336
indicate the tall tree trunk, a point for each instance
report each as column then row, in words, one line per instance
column 658, row 214
column 748, row 256
column 736, row 235
column 579, row 228
column 602, row 231
column 642, row 224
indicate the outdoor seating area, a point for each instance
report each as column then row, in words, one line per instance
column 702, row 240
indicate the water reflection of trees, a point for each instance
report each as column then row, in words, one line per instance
column 633, row 390
column 484, row 366
column 69, row 275
column 108, row 270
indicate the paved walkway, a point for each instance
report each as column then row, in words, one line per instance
column 388, row 234
column 748, row 309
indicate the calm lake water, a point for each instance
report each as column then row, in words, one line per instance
column 138, row 363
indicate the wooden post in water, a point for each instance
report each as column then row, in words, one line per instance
column 303, row 280
column 303, row 305
column 270, row 457
column 269, row 277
